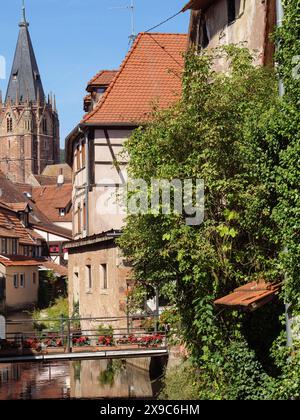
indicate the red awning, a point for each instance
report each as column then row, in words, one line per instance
column 250, row 296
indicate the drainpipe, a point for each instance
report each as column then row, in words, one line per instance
column 279, row 19
column 288, row 318
column 87, row 188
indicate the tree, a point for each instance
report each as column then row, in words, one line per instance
column 216, row 133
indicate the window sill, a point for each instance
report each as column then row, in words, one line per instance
column 89, row 292
column 104, row 293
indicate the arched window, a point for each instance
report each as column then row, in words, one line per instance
column 27, row 124
column 9, row 122
column 45, row 127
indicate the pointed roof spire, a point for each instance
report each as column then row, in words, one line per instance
column 25, row 77
column 24, row 21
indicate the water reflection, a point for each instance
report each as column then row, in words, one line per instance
column 89, row 379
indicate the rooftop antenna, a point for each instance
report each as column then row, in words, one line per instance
column 130, row 7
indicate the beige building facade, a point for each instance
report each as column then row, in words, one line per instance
column 21, row 285
column 99, row 279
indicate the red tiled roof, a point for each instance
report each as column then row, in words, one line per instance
column 54, row 229
column 58, row 169
column 7, row 233
column 250, row 296
column 18, row 206
column 149, row 76
column 103, row 78
column 50, row 198
column 11, row 223
column 58, row 269
column 14, row 261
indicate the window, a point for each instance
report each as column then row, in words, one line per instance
column 9, row 122
column 26, row 251
column 83, row 154
column 204, row 34
column 79, row 218
column 89, row 278
column 4, row 246
column 231, row 10
column 62, row 212
column 103, row 276
column 14, row 246
column 76, row 286
column 16, row 281
column 78, row 167
column 84, row 216
column 101, row 90
column 45, row 126
column 22, row 280
column 24, row 219
column 34, row 278
column 27, row 125
column 54, row 249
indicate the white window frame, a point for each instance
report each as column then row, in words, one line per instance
column 104, row 277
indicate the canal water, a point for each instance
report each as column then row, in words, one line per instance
column 88, row 379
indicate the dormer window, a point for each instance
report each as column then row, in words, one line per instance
column 15, row 75
column 101, row 90
column 24, row 219
column 62, row 212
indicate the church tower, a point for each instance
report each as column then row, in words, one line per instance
column 29, row 124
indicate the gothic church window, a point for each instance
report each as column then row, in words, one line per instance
column 9, row 124
column 45, row 128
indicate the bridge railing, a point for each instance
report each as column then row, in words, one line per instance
column 118, row 333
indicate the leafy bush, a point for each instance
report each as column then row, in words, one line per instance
column 59, row 311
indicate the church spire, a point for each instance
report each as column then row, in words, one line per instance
column 25, row 80
column 24, row 21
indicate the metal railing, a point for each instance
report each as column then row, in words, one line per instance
column 67, row 335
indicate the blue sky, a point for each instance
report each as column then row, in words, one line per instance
column 74, row 39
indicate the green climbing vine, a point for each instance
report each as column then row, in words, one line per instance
column 233, row 131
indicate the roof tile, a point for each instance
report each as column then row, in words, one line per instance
column 149, row 76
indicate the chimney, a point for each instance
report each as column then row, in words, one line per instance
column 60, row 178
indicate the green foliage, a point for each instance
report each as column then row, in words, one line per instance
column 56, row 312
column 50, row 288
column 181, row 383
column 233, row 131
column 286, row 129
column 136, row 299
column 108, row 376
column 105, row 330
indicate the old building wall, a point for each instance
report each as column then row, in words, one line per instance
column 106, row 177
column 96, row 300
column 24, row 148
column 253, row 23
column 21, row 297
